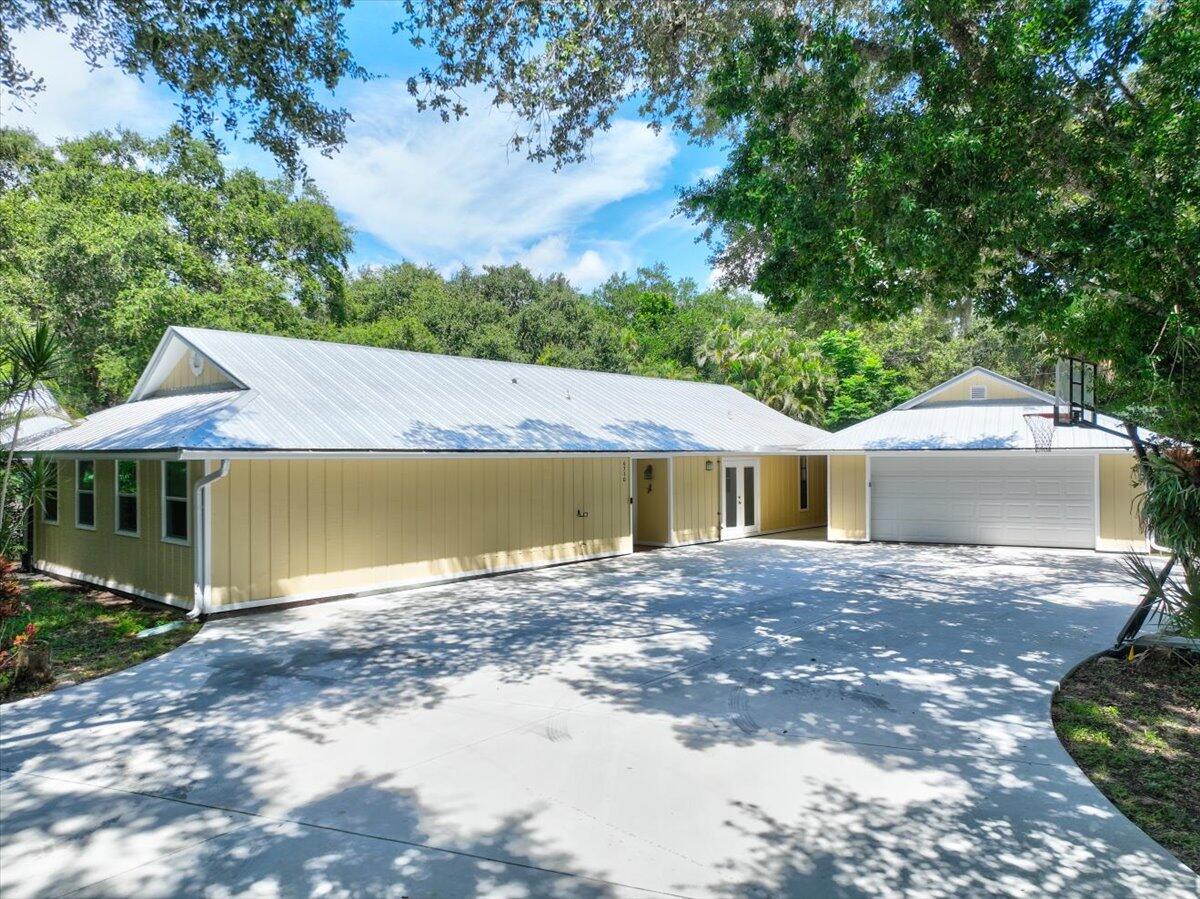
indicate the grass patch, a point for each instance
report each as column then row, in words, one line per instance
column 1134, row 729
column 91, row 632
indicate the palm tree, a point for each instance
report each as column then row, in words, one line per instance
column 770, row 364
column 28, row 358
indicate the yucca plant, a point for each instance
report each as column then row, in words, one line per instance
column 1169, row 510
column 26, row 359
column 30, row 479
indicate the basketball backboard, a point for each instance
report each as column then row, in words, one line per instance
column 1074, row 392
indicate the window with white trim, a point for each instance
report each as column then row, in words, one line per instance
column 803, row 483
column 50, row 494
column 127, row 497
column 85, row 494
column 175, row 502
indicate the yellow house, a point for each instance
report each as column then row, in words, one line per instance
column 958, row 464
column 249, row 470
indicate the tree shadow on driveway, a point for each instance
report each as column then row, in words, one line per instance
column 708, row 721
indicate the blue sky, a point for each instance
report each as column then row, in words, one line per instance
column 415, row 188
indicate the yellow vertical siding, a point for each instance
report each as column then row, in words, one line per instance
column 781, row 493
column 1118, row 527
column 847, row 497
column 961, row 392
column 181, row 378
column 328, row 527
column 695, row 493
column 653, row 501
column 144, row 565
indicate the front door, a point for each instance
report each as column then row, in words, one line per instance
column 739, row 498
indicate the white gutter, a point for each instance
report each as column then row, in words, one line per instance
column 203, row 528
column 480, row 454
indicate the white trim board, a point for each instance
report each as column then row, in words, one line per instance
column 396, row 586
column 867, row 515
column 151, row 376
column 107, row 583
column 216, row 455
column 982, row 453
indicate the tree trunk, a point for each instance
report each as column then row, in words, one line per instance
column 12, row 451
column 1138, row 618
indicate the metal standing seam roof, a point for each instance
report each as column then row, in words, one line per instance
column 970, row 425
column 305, row 395
column 41, row 415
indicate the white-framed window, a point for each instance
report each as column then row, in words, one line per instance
column 50, row 494
column 127, row 497
column 85, row 494
column 175, row 511
column 803, row 483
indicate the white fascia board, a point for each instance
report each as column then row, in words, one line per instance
column 151, row 376
column 446, row 454
column 140, row 388
column 900, row 454
column 1064, row 451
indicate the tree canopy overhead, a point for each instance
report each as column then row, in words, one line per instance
column 1036, row 159
column 252, row 67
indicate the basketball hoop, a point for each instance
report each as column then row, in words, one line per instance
column 1041, row 425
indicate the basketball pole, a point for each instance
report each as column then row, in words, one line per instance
column 1078, row 376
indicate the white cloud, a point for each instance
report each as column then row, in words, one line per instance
column 78, row 99
column 589, row 271
column 455, row 193
column 444, row 194
column 554, row 254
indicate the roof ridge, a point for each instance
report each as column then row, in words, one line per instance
column 184, row 329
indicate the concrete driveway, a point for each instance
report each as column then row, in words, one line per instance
column 757, row 718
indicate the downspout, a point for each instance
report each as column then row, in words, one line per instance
column 202, row 496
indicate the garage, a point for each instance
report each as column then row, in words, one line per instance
column 1036, row 500
column 958, row 464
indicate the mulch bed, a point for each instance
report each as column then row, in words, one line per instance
column 1134, row 729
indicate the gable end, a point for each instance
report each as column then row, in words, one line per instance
column 977, row 385
column 178, row 367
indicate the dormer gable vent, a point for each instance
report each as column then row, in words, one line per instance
column 978, row 391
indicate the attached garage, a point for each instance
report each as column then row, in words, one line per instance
column 958, row 464
column 1023, row 501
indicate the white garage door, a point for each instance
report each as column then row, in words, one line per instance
column 1028, row 501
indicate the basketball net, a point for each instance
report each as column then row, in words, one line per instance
column 1041, row 425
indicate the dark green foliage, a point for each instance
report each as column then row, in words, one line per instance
column 115, row 237
column 1170, row 503
column 251, row 67
column 864, row 387
column 1035, row 160
column 88, row 633
column 502, row 313
column 929, row 347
